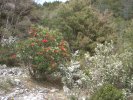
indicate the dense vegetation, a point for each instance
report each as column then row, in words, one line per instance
column 52, row 37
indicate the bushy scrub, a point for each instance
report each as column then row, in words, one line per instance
column 74, row 79
column 108, row 92
column 86, row 25
column 128, row 35
column 8, row 52
column 43, row 51
column 106, row 66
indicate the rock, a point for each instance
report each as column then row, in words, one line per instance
column 10, row 72
column 19, row 73
column 2, row 92
column 34, row 97
column 79, row 82
column 3, row 66
column 19, row 91
column 44, row 90
column 15, row 77
column 66, row 90
column 54, row 90
column 17, row 81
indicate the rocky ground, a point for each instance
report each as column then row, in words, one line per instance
column 16, row 84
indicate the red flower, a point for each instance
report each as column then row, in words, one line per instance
column 44, row 41
column 63, row 49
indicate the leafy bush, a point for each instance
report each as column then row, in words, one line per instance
column 86, row 25
column 81, row 23
column 43, row 51
column 108, row 92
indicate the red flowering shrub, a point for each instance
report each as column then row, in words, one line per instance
column 43, row 51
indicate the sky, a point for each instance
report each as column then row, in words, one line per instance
column 42, row 1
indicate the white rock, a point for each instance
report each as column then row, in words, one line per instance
column 54, row 90
column 17, row 81
column 4, row 66
column 66, row 90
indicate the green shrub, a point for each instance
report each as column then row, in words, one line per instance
column 43, row 51
column 86, row 25
column 108, row 92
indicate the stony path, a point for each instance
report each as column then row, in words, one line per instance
column 15, row 84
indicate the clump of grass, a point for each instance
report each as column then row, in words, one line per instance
column 5, row 84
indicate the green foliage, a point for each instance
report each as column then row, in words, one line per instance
column 51, row 5
column 128, row 36
column 120, row 8
column 108, row 92
column 86, row 25
column 81, row 24
column 43, row 51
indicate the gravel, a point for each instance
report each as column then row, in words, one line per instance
column 15, row 85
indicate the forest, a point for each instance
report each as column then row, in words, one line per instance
column 82, row 48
